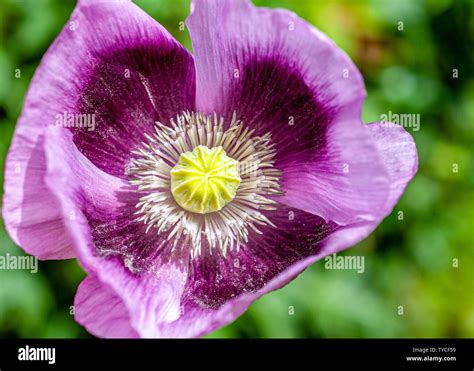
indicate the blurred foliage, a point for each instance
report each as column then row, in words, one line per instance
column 408, row 262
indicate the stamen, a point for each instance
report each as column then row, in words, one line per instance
column 203, row 185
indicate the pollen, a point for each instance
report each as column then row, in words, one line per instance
column 205, row 180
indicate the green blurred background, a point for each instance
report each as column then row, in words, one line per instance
column 408, row 68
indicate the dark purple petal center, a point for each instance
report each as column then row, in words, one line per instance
column 127, row 93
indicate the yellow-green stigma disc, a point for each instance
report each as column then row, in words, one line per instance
column 205, row 180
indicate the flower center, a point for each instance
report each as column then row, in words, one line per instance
column 205, row 180
column 205, row 183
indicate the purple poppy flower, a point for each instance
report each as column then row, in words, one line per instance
column 189, row 186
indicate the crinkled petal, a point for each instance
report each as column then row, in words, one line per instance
column 283, row 76
column 175, row 302
column 112, row 69
column 101, row 310
column 151, row 296
column 148, row 301
column 346, row 182
column 199, row 316
column 231, row 36
column 30, row 212
column 130, row 74
column 399, row 154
